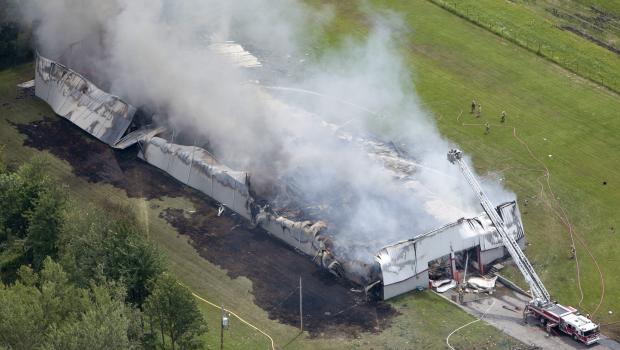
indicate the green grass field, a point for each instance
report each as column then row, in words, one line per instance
column 601, row 19
column 541, row 32
column 564, row 123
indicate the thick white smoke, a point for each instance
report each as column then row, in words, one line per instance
column 154, row 53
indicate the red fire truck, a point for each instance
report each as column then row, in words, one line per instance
column 564, row 318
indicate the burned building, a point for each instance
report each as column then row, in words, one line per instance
column 405, row 265
column 389, row 271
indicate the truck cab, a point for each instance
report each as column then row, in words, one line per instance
column 580, row 328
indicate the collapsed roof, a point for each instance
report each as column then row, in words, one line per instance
column 104, row 116
column 405, row 260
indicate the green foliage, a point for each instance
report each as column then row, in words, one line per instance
column 19, row 192
column 31, row 214
column 87, row 299
column 22, row 318
column 133, row 260
column 44, row 223
column 94, row 247
column 173, row 312
column 46, row 311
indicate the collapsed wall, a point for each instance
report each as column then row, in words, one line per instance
column 404, row 265
column 72, row 96
column 199, row 169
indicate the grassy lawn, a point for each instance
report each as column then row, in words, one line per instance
column 611, row 6
column 424, row 321
column 531, row 25
column 569, row 124
column 601, row 19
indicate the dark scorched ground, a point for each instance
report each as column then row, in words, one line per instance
column 226, row 241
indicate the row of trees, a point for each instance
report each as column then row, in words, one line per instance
column 76, row 277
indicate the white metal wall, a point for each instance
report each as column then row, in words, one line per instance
column 405, row 260
column 72, row 96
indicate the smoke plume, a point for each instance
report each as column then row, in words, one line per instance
column 302, row 125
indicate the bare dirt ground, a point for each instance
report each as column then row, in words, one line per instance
column 226, row 241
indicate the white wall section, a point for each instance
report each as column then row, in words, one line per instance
column 72, row 96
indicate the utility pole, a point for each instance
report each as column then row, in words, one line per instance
column 301, row 311
column 222, row 329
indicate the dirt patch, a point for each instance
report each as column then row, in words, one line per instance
column 330, row 307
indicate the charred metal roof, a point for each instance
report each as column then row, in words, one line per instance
column 105, row 116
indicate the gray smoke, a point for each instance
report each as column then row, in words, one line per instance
column 155, row 53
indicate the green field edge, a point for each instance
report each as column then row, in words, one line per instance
column 453, row 10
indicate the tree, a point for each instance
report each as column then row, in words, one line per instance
column 103, row 324
column 109, row 246
column 133, row 260
column 173, row 311
column 44, row 223
column 21, row 193
column 45, row 310
column 21, row 317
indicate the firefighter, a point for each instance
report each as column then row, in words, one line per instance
column 503, row 116
column 473, row 106
column 487, row 128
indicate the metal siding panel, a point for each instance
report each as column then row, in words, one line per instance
column 402, row 261
column 72, row 96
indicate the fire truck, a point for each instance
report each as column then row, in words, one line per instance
column 564, row 318
column 551, row 315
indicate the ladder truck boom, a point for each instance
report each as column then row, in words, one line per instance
column 550, row 314
column 536, row 286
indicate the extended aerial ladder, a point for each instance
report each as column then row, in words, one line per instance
column 536, row 286
column 550, row 314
